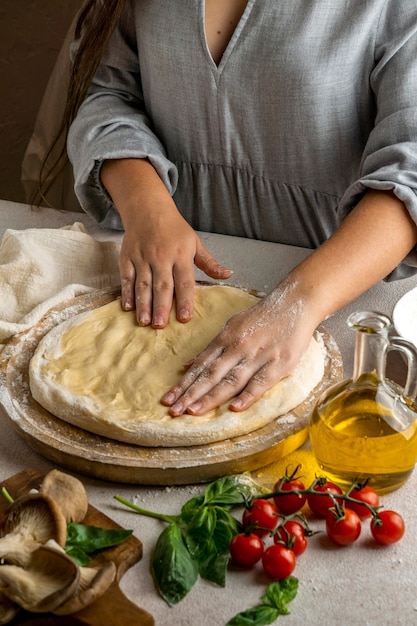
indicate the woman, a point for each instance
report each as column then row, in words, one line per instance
column 290, row 122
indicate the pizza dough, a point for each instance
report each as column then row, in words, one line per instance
column 101, row 372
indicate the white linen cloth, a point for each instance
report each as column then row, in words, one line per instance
column 43, row 267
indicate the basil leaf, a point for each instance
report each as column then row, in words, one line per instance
column 191, row 508
column 173, row 568
column 200, row 530
column 274, row 602
column 227, row 491
column 78, row 555
column 280, row 593
column 92, row 538
column 257, row 616
column 213, row 564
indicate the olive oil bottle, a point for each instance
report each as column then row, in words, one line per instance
column 365, row 428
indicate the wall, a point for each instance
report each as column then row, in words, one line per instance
column 31, row 34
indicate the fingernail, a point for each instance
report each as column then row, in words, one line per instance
column 144, row 319
column 128, row 305
column 184, row 315
column 195, row 407
column 177, row 408
column 236, row 404
column 169, row 397
column 158, row 321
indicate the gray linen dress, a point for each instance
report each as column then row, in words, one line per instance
column 313, row 102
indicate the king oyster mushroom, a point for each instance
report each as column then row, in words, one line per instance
column 68, row 492
column 30, row 522
column 49, row 578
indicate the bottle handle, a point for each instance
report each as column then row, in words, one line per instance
column 410, row 353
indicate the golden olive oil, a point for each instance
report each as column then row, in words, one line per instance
column 365, row 428
column 359, row 434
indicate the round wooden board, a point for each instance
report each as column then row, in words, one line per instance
column 98, row 457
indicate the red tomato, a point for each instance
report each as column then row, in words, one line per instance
column 292, row 535
column 364, row 494
column 320, row 504
column 278, row 561
column 343, row 530
column 246, row 549
column 262, row 517
column 291, row 503
column 389, row 529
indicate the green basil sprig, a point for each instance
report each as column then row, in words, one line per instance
column 273, row 604
column 196, row 542
column 84, row 540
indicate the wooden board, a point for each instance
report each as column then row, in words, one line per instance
column 113, row 608
column 81, row 451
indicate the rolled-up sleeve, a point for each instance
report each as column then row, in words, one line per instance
column 390, row 157
column 112, row 124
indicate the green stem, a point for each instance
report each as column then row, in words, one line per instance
column 335, row 497
column 7, row 495
column 165, row 518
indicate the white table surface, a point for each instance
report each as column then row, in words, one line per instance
column 361, row 584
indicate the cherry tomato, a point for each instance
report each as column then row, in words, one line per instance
column 278, row 561
column 262, row 516
column 364, row 494
column 246, row 549
column 320, row 504
column 343, row 530
column 389, row 529
column 291, row 503
column 292, row 535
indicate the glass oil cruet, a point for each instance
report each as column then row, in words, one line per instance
column 366, row 427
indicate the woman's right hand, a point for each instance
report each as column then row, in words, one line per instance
column 159, row 248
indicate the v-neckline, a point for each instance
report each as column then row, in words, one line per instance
column 233, row 39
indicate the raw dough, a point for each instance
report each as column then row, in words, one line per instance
column 102, row 372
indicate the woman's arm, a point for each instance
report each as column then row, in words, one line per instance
column 261, row 345
column 159, row 248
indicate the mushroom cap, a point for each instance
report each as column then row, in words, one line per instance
column 68, row 492
column 93, row 584
column 31, row 521
column 49, row 578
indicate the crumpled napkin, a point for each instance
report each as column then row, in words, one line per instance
column 43, row 267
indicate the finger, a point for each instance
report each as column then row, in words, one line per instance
column 256, row 387
column 143, row 297
column 127, row 283
column 162, row 298
column 184, row 294
column 208, row 264
column 215, row 385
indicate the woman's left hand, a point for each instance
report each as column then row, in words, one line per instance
column 254, row 350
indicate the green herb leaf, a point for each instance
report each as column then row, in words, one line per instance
column 173, row 568
column 91, row 538
column 274, row 604
column 260, row 615
column 191, row 508
column 227, row 491
column 78, row 555
column 280, row 593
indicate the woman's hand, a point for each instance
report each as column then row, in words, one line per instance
column 159, row 248
column 256, row 348
column 156, row 261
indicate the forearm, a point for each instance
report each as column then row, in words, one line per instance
column 134, row 183
column 370, row 243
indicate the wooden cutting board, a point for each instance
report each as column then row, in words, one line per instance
column 81, row 451
column 113, row 608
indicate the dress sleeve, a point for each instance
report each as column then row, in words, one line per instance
column 112, row 124
column 389, row 160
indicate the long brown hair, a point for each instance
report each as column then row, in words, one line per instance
column 95, row 25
